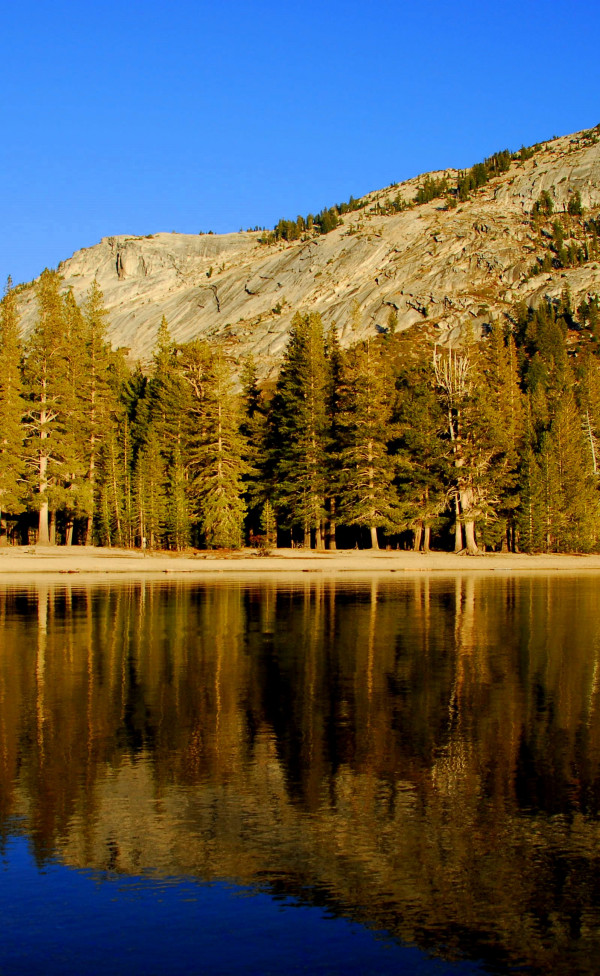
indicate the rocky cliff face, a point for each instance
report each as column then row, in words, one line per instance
column 437, row 267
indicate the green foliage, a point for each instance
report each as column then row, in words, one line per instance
column 150, row 493
column 166, row 394
column 574, row 207
column 368, row 495
column 323, row 222
column 499, row 436
column 480, row 173
column 430, row 189
column 177, row 520
column 297, row 428
column 12, row 406
column 525, row 153
column 216, row 448
column 268, row 524
column 420, row 451
column 544, row 205
column 564, row 496
column 46, row 376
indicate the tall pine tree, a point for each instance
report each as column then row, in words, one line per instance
column 298, row 431
column 368, row 493
column 12, row 407
column 47, row 385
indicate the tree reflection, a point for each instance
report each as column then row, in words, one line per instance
column 424, row 752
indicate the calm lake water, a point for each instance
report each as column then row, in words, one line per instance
column 325, row 776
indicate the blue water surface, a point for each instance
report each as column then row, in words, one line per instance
column 63, row 921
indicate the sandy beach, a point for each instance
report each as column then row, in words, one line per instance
column 92, row 560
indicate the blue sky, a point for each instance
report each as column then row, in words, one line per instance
column 129, row 117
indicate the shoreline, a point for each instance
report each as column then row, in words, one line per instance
column 75, row 560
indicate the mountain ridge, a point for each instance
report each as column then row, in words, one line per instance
column 442, row 264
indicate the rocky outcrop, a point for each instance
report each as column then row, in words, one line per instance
column 434, row 266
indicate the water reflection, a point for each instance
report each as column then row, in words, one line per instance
column 422, row 755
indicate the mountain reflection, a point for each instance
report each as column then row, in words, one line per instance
column 422, row 755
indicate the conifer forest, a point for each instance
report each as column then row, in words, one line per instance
column 392, row 442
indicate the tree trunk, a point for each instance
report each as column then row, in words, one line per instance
column 88, row 530
column 374, row 539
column 43, row 533
column 470, row 542
column 426, row 538
column 52, row 539
column 418, row 532
column 320, row 538
column 307, row 539
column 458, row 532
column 69, row 533
column 331, row 525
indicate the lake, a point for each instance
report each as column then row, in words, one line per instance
column 312, row 775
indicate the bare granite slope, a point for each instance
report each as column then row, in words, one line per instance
column 436, row 267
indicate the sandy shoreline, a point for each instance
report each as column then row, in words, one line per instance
column 35, row 560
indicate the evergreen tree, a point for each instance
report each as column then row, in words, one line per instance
column 531, row 514
column 47, row 385
column 420, row 452
column 298, row 430
column 368, row 496
column 111, row 479
column 12, row 407
column 589, row 396
column 150, row 493
column 177, row 509
column 471, row 395
column 570, row 487
column 268, row 524
column 334, row 393
column 98, row 398
column 503, row 419
column 217, row 450
column 166, row 394
column 72, row 494
column 254, row 430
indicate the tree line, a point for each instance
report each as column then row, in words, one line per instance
column 394, row 441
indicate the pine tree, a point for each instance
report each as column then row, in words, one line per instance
column 532, row 514
column 99, row 405
column 150, row 493
column 298, row 430
column 216, row 450
column 177, row 523
column 420, row 452
column 573, row 501
column 128, row 506
column 268, row 524
column 254, row 430
column 503, row 420
column 72, row 494
column 167, row 395
column 589, row 398
column 469, row 393
column 368, row 496
column 45, row 375
column 12, row 407
column 334, row 392
column 111, row 480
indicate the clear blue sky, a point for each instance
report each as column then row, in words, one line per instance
column 129, row 117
